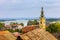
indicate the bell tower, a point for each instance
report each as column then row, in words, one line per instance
column 42, row 23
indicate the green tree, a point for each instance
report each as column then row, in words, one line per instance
column 55, row 27
column 30, row 22
column 2, row 25
column 22, row 24
column 13, row 23
column 34, row 22
column 10, row 30
column 17, row 30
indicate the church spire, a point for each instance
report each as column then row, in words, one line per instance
column 42, row 12
column 42, row 23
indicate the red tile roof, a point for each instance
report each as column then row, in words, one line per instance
column 28, row 28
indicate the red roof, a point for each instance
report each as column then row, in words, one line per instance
column 28, row 28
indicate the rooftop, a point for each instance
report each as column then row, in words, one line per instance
column 6, row 35
column 38, row 34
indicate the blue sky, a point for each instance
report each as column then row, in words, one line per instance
column 29, row 8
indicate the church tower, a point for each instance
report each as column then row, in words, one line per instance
column 42, row 23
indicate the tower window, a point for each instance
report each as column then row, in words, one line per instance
column 41, row 22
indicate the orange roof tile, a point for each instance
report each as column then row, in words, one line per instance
column 28, row 28
column 37, row 34
column 3, row 32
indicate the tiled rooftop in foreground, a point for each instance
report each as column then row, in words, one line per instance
column 38, row 34
column 6, row 35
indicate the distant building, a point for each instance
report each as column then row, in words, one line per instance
column 19, row 26
column 14, row 26
column 8, row 27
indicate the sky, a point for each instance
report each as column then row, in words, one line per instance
column 29, row 8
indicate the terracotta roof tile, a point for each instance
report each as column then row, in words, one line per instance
column 25, row 37
column 28, row 28
column 6, row 35
column 38, row 34
column 3, row 32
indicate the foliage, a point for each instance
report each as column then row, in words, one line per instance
column 55, row 27
column 10, row 30
column 2, row 25
column 29, row 22
column 13, row 23
column 16, row 30
column 34, row 22
column 22, row 24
